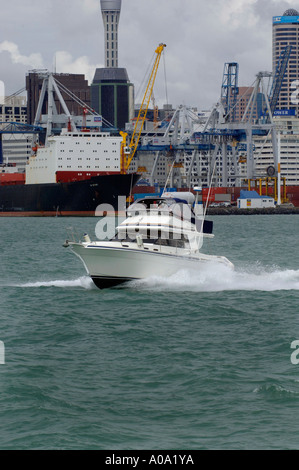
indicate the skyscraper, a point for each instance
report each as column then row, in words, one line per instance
column 110, row 13
column 286, row 32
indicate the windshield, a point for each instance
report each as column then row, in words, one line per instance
column 174, row 207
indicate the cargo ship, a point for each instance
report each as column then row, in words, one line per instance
column 71, row 176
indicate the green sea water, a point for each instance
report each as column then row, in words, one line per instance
column 201, row 360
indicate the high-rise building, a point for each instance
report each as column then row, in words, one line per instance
column 16, row 148
column 76, row 83
column 286, row 32
column 14, row 109
column 112, row 94
column 243, row 97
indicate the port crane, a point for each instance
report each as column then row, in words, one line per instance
column 128, row 151
column 237, row 134
column 230, row 89
column 279, row 76
column 223, row 137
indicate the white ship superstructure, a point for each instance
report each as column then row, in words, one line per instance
column 74, row 156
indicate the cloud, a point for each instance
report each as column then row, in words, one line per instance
column 200, row 35
column 33, row 60
column 237, row 13
column 91, row 6
column 65, row 63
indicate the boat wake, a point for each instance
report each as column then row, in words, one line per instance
column 217, row 278
column 214, row 277
column 84, row 282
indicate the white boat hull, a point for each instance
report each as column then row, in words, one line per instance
column 109, row 266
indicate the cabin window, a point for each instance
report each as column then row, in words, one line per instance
column 174, row 240
column 173, row 243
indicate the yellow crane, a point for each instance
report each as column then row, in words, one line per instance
column 155, row 111
column 128, row 151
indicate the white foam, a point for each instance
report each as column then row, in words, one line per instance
column 217, row 278
column 84, row 282
column 214, row 277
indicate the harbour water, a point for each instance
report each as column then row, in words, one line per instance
column 201, row 360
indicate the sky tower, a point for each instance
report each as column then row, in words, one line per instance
column 110, row 13
column 112, row 94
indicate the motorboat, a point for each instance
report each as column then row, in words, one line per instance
column 158, row 236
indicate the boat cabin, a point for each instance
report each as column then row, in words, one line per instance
column 163, row 222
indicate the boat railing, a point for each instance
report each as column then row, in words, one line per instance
column 72, row 235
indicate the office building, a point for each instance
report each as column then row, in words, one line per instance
column 243, row 97
column 14, row 109
column 16, row 147
column 286, row 32
column 76, row 83
column 112, row 96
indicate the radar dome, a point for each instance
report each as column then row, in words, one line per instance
column 291, row 12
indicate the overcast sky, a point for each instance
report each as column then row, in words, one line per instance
column 201, row 35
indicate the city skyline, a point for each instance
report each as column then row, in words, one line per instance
column 199, row 41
